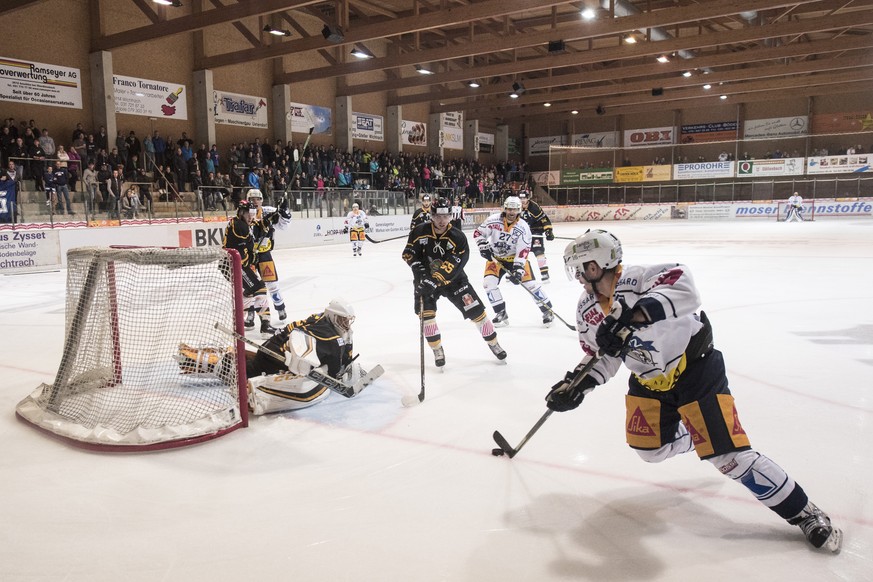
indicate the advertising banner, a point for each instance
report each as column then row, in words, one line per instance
column 643, row 174
column 764, row 168
column 39, row 84
column 26, row 252
column 453, row 119
column 413, row 133
column 546, row 178
column 453, row 138
column 842, row 122
column 612, row 212
column 776, row 127
column 136, row 96
column 539, row 146
column 839, row 164
column 486, row 142
column 603, row 139
column 576, row 176
column 703, row 170
column 243, row 110
column 368, row 127
column 708, row 132
column 304, row 116
column 650, row 136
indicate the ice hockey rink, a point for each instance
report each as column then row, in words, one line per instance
column 367, row 490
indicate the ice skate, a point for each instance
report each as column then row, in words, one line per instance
column 250, row 319
column 500, row 319
column 817, row 528
column 267, row 330
column 548, row 318
column 283, row 315
column 544, row 278
column 498, row 351
column 439, row 357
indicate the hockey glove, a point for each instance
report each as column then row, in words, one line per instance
column 427, row 287
column 516, row 275
column 284, row 210
column 346, row 230
column 562, row 397
column 549, row 234
column 486, row 253
column 614, row 333
column 367, row 226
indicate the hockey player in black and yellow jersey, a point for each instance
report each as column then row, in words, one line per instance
column 437, row 254
column 421, row 215
column 238, row 236
column 265, row 221
column 540, row 226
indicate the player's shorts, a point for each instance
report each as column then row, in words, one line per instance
column 700, row 398
column 493, row 268
column 251, row 283
column 462, row 296
column 356, row 234
column 267, row 268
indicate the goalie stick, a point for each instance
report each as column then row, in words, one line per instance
column 314, row 375
column 504, row 444
column 372, row 240
column 537, row 299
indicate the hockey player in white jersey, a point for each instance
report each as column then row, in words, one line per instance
column 678, row 399
column 266, row 220
column 356, row 226
column 504, row 241
column 795, row 208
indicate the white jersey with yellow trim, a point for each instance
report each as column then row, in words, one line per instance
column 669, row 297
column 356, row 219
column 507, row 242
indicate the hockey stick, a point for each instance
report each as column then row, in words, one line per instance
column 421, row 333
column 372, row 240
column 317, row 377
column 537, row 299
column 504, row 444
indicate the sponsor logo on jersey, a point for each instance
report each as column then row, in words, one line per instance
column 469, row 301
column 669, row 277
column 593, row 317
column 737, row 427
column 638, row 425
column 696, row 436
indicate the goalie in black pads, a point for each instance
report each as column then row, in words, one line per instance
column 437, row 253
column 678, row 398
column 276, row 386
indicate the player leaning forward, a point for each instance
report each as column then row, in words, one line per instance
column 437, row 253
column 238, row 236
column 296, row 382
column 678, row 400
column 504, row 241
column 265, row 221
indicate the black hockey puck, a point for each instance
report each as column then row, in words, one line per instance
column 497, row 452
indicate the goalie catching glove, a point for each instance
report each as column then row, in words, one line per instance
column 614, row 333
column 565, row 395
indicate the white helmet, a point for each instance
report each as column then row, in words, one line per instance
column 599, row 246
column 512, row 203
column 356, row 206
column 254, row 193
column 341, row 314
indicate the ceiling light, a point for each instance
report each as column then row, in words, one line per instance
column 514, row 95
column 575, row 112
column 630, row 39
column 474, row 84
column 547, row 104
column 362, row 52
column 277, row 31
column 173, row 3
column 423, row 70
column 707, row 86
column 663, row 59
column 588, row 14
column 723, row 97
column 686, row 74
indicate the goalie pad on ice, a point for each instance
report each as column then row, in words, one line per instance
column 283, row 392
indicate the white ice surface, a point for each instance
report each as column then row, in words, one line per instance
column 367, row 490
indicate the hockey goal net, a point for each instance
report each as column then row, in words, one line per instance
column 782, row 214
column 119, row 385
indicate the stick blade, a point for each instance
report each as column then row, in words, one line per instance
column 503, row 444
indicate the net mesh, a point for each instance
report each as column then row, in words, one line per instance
column 127, row 313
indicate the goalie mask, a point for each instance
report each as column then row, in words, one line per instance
column 341, row 314
column 599, row 246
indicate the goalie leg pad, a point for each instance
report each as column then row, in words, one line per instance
column 283, row 393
